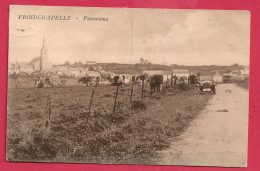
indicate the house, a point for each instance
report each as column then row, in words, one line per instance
column 91, row 63
column 205, row 76
column 75, row 72
column 93, row 73
column 181, row 73
column 167, row 74
column 92, row 68
column 217, row 76
column 13, row 68
column 99, row 67
column 235, row 73
column 60, row 68
column 245, row 71
column 36, row 62
column 23, row 67
column 83, row 71
column 213, row 75
column 153, row 72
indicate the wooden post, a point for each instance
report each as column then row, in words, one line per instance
column 92, row 95
column 48, row 112
column 15, row 83
column 142, row 89
column 132, row 89
column 171, row 80
column 114, row 108
column 47, row 118
column 167, row 81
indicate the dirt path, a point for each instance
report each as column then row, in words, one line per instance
column 217, row 137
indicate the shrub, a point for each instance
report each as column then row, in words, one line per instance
column 138, row 105
column 183, row 86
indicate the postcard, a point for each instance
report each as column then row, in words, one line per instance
column 128, row 86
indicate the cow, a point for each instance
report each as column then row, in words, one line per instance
column 42, row 82
column 89, row 80
column 38, row 83
column 156, row 82
column 139, row 79
column 117, row 81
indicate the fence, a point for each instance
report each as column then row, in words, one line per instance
column 29, row 82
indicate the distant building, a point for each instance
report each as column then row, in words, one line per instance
column 153, row 72
column 92, row 73
column 181, row 72
column 99, row 67
column 23, row 67
column 205, row 76
column 91, row 63
column 20, row 67
column 235, row 73
column 75, row 72
column 217, row 76
column 165, row 73
column 245, row 72
column 213, row 75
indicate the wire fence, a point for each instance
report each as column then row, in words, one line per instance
column 30, row 83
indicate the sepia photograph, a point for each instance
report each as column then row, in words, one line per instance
column 128, row 86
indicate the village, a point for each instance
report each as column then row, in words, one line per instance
column 105, row 72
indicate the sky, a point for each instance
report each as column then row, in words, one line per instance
column 162, row 36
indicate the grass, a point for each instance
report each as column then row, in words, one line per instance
column 133, row 134
column 244, row 84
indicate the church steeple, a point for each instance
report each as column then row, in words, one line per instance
column 44, row 48
column 44, row 56
column 44, row 44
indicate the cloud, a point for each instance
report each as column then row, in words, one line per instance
column 204, row 37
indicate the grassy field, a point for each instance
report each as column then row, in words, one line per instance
column 244, row 83
column 132, row 134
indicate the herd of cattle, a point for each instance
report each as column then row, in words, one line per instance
column 155, row 81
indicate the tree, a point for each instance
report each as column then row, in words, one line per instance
column 67, row 63
column 141, row 60
column 235, row 65
column 193, row 79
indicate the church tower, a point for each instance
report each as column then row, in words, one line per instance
column 44, row 57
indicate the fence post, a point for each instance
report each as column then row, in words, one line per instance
column 49, row 99
column 171, row 80
column 47, row 117
column 167, row 81
column 15, row 80
column 114, row 108
column 132, row 89
column 91, row 99
column 142, row 89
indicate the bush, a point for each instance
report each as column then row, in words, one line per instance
column 138, row 105
column 183, row 86
column 193, row 79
